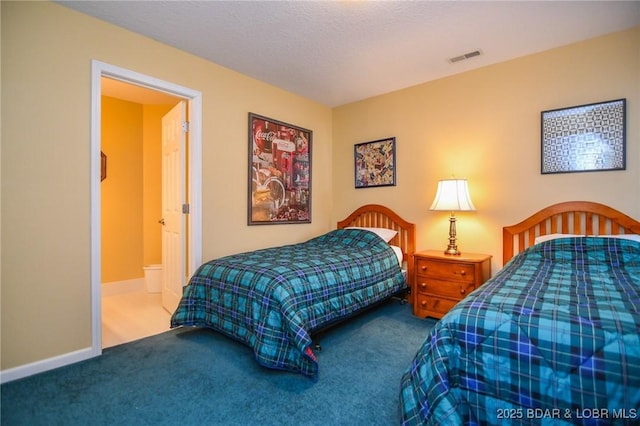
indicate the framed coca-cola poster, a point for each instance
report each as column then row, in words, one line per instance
column 279, row 172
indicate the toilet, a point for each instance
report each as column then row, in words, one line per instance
column 153, row 278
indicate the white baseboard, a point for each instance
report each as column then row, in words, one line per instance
column 126, row 286
column 108, row 289
column 46, row 365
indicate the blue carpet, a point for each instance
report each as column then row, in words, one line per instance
column 199, row 377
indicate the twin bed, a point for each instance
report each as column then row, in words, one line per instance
column 275, row 300
column 553, row 337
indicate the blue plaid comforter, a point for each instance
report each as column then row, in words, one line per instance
column 553, row 338
column 272, row 299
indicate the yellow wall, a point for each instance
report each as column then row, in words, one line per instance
column 121, row 192
column 484, row 125
column 47, row 51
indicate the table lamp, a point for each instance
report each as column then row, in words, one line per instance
column 452, row 196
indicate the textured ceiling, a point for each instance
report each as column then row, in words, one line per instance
column 336, row 52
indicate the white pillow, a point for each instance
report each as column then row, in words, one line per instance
column 549, row 237
column 384, row 233
column 398, row 251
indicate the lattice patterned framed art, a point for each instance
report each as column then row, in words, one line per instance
column 584, row 138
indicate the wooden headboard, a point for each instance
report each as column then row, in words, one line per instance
column 377, row 216
column 571, row 217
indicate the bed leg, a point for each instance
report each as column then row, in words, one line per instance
column 403, row 298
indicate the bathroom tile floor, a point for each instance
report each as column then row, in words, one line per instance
column 132, row 316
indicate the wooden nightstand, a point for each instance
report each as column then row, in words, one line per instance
column 441, row 280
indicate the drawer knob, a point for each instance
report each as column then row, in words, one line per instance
column 463, row 272
column 423, row 286
column 423, row 268
column 423, row 303
column 463, row 291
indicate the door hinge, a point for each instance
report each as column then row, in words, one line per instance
column 185, row 126
column 185, row 208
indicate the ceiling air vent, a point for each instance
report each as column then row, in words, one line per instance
column 465, row 56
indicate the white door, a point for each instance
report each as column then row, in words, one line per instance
column 173, row 199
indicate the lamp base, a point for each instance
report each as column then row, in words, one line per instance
column 452, row 248
column 452, row 251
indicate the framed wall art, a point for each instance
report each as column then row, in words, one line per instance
column 375, row 163
column 279, row 172
column 584, row 138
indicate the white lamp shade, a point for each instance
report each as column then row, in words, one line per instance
column 452, row 195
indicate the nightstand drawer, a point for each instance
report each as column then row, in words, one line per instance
column 453, row 289
column 445, row 270
column 427, row 306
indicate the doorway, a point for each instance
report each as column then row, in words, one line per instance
column 192, row 241
column 131, row 198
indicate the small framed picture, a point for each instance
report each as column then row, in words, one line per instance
column 375, row 163
column 584, row 138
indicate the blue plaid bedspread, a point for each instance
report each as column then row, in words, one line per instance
column 553, row 338
column 272, row 299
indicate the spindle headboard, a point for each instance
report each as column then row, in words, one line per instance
column 571, row 217
column 378, row 216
